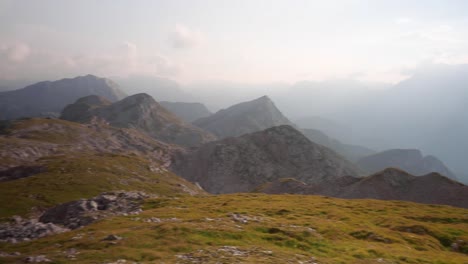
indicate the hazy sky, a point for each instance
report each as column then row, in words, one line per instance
column 248, row 41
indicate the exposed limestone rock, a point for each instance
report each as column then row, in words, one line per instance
column 243, row 118
column 86, row 211
column 142, row 112
column 24, row 230
column 244, row 163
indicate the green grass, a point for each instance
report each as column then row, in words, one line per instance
column 279, row 228
column 82, row 176
column 330, row 230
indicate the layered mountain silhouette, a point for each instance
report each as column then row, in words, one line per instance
column 138, row 111
column 243, row 118
column 410, row 160
column 162, row 89
column 189, row 112
column 351, row 152
column 243, row 163
column 389, row 184
column 49, row 98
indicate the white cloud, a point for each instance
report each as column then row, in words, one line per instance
column 17, row 52
column 183, row 37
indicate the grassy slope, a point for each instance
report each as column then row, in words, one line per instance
column 283, row 228
column 72, row 175
column 82, row 176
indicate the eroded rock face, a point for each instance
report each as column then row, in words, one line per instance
column 27, row 229
column 410, row 160
column 72, row 215
column 142, row 112
column 243, row 118
column 20, row 150
column 241, row 164
column 86, row 211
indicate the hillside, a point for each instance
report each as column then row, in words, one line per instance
column 241, row 164
column 44, row 162
column 410, row 160
column 389, row 184
column 142, row 112
column 243, row 118
column 49, row 98
column 257, row 228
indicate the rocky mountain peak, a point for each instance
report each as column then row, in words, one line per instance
column 241, row 164
column 142, row 112
column 243, row 118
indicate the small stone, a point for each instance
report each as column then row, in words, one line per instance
column 37, row 259
column 112, row 237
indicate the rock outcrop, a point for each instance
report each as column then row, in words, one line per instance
column 49, row 98
column 72, row 215
column 142, row 112
column 83, row 212
column 188, row 112
column 389, row 184
column 241, row 164
column 243, row 118
column 26, row 141
column 410, row 160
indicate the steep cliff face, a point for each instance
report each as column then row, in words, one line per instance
column 410, row 160
column 241, row 164
column 243, row 118
column 49, row 98
column 142, row 112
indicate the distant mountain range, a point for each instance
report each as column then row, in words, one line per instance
column 243, row 118
column 409, row 160
column 351, row 152
column 389, row 184
column 161, row 89
column 139, row 111
column 189, row 112
column 49, row 98
column 240, row 164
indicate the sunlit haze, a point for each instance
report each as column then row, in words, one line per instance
column 243, row 41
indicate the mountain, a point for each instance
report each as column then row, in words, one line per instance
column 240, row 164
column 102, row 190
column 49, row 98
column 426, row 111
column 389, row 184
column 410, row 160
column 162, row 89
column 139, row 111
column 243, row 118
column 45, row 162
column 189, row 112
column 351, row 152
column 327, row 126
